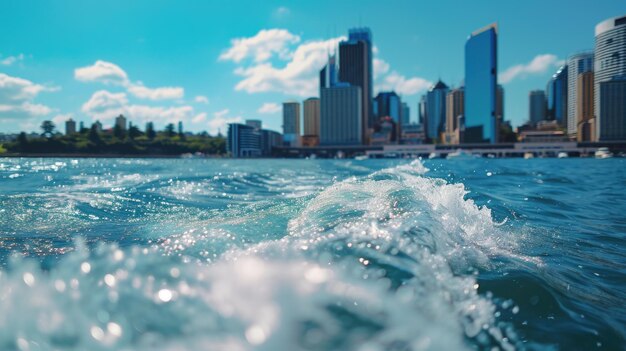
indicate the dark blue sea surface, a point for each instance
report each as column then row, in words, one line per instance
column 212, row 254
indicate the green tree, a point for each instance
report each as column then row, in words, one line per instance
column 94, row 136
column 169, row 130
column 118, row 132
column 48, row 129
column 134, row 132
column 150, row 133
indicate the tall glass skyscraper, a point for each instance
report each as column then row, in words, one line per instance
column 436, row 110
column 291, row 123
column 610, row 79
column 355, row 68
column 576, row 65
column 481, row 84
column 556, row 96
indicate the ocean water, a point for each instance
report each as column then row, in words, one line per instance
column 204, row 254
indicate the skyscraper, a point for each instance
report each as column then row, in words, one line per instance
column 180, row 127
column 436, row 110
column 243, row 141
column 355, row 68
column 421, row 111
column 610, row 79
column 585, row 121
column 481, row 72
column 454, row 112
column 388, row 104
column 291, row 123
column 556, row 96
column 536, row 106
column 406, row 114
column 312, row 117
column 341, row 115
column 328, row 74
column 576, row 64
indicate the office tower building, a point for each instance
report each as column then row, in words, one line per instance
column 454, row 113
column 243, row 141
column 120, row 121
column 576, row 64
column 328, row 74
column 70, row 127
column 610, row 79
column 536, row 106
column 556, row 96
column 341, row 116
column 291, row 123
column 481, row 72
column 82, row 126
column 500, row 104
column 355, row 68
column 180, row 127
column 436, row 110
column 585, row 121
column 388, row 104
column 254, row 123
column 406, row 114
column 312, row 116
column 269, row 140
column 421, row 111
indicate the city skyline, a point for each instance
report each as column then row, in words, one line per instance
column 238, row 72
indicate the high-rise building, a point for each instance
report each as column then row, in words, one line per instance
column 269, row 140
column 243, row 141
column 355, row 68
column 312, row 116
column 328, row 74
column 82, row 126
column 70, row 127
column 536, row 106
column 436, row 110
column 406, row 114
column 610, row 79
column 585, row 121
column 481, row 72
column 454, row 113
column 180, row 127
column 98, row 126
column 576, row 64
column 500, row 103
column 120, row 121
column 421, row 111
column 291, row 123
column 388, row 104
column 341, row 116
column 556, row 96
column 254, row 123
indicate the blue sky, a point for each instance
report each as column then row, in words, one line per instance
column 208, row 63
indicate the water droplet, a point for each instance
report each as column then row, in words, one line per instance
column 85, row 267
column 165, row 295
column 109, row 280
column 255, row 335
column 114, row 329
column 97, row 333
column 29, row 279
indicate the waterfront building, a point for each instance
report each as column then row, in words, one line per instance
column 341, row 116
column 610, row 79
column 576, row 64
column 412, row 134
column 70, row 127
column 436, row 110
column 454, row 113
column 556, row 97
column 269, row 140
column 355, row 68
column 388, row 103
column 328, row 74
column 180, row 127
column 481, row 72
column 82, row 126
column 536, row 106
column 243, row 141
column 291, row 123
column 406, row 114
column 254, row 123
column 311, row 119
column 421, row 111
column 120, row 121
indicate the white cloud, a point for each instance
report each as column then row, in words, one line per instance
column 60, row 119
column 539, row 64
column 110, row 73
column 261, row 47
column 220, row 121
column 102, row 71
column 282, row 11
column 199, row 118
column 380, row 67
column 17, row 97
column 162, row 93
column 201, row 99
column 402, row 85
column 269, row 108
column 105, row 106
column 11, row 60
column 297, row 77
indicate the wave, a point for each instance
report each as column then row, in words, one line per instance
column 385, row 261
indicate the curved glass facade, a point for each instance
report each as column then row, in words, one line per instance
column 481, row 70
